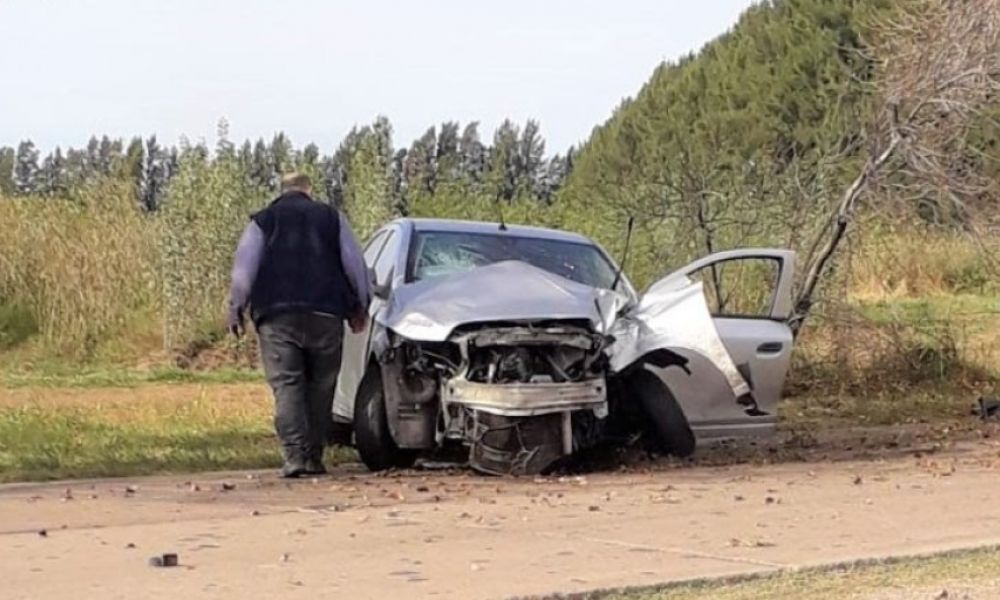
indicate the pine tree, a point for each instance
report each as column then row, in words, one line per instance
column 7, row 161
column 336, row 169
column 92, row 164
column 261, row 172
column 282, row 157
column 224, row 149
column 109, row 156
column 26, row 168
column 473, row 153
column 420, row 167
column 368, row 199
column 52, row 175
column 310, row 156
column 448, row 160
column 530, row 157
column 551, row 178
column 134, row 166
column 158, row 170
column 397, row 185
column 504, row 162
column 76, row 168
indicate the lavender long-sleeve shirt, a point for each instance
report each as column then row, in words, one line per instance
column 250, row 252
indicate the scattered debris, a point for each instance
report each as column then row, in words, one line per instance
column 660, row 499
column 254, row 513
column 423, row 488
column 986, row 409
column 130, row 489
column 168, row 559
column 129, row 546
column 228, row 487
column 757, row 543
column 858, row 480
column 43, row 533
column 738, row 498
column 593, row 508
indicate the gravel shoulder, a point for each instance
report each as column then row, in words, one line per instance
column 451, row 534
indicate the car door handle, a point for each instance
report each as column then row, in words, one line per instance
column 770, row 348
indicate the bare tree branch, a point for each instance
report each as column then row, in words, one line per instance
column 938, row 69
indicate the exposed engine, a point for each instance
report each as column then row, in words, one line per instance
column 526, row 354
column 507, row 391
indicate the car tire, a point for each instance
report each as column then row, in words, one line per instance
column 374, row 443
column 666, row 422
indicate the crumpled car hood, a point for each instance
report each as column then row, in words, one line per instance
column 673, row 314
column 505, row 291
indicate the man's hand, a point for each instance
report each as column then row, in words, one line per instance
column 234, row 322
column 358, row 321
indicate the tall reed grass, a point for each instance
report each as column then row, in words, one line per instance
column 78, row 268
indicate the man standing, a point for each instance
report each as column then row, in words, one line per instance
column 299, row 267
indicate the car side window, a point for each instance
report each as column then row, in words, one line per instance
column 743, row 287
column 373, row 247
column 387, row 258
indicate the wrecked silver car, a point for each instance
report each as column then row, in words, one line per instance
column 522, row 346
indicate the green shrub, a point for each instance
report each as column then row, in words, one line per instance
column 17, row 324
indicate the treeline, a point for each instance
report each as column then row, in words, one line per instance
column 96, row 236
column 513, row 165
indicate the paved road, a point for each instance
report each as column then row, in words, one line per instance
column 456, row 535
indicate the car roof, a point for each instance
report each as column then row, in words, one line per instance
column 452, row 225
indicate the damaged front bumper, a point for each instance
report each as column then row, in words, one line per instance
column 519, row 428
column 528, row 399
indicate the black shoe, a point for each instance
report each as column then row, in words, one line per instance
column 294, row 470
column 314, row 466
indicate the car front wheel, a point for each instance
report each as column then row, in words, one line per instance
column 371, row 428
column 665, row 419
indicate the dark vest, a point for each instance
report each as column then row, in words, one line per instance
column 300, row 270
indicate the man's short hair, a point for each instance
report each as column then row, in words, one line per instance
column 296, row 182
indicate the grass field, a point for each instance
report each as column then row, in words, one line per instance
column 67, row 432
column 116, row 423
column 969, row 575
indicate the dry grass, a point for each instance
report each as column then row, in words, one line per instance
column 906, row 310
column 971, row 575
column 80, row 269
column 918, row 263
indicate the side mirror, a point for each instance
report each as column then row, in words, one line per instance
column 380, row 289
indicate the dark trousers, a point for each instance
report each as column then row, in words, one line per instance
column 301, row 355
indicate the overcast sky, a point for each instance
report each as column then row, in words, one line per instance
column 72, row 68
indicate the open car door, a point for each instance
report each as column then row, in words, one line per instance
column 749, row 295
